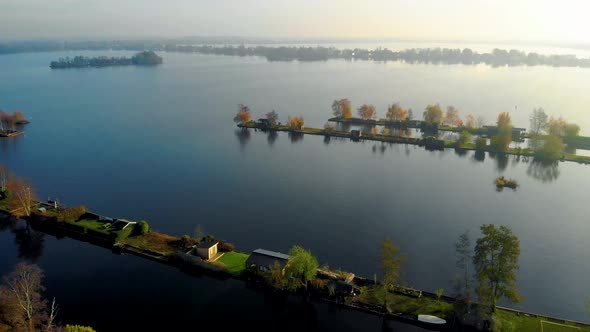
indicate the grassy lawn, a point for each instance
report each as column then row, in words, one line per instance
column 405, row 304
column 92, row 224
column 512, row 322
column 235, row 262
column 157, row 242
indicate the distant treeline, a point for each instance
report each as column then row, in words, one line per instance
column 141, row 58
column 497, row 57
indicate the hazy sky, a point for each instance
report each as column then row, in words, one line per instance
column 481, row 20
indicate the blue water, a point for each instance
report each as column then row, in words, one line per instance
column 158, row 143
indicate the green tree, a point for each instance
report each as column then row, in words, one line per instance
column 570, row 132
column 496, row 263
column 391, row 263
column 433, row 114
column 301, row 268
column 464, row 138
column 481, row 144
column 502, row 140
column 142, row 227
column 538, row 121
column 550, row 149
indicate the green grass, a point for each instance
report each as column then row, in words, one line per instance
column 97, row 228
column 510, row 321
column 405, row 304
column 234, row 262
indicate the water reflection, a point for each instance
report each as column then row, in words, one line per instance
column 295, row 137
column 479, row 156
column 460, row 152
column 545, row 171
column 501, row 160
column 243, row 135
column 29, row 242
column 272, row 137
column 10, row 143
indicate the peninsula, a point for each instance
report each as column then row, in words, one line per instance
column 145, row 58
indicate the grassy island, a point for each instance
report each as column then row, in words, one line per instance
column 502, row 182
column 145, row 58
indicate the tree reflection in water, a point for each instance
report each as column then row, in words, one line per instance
column 243, row 135
column 545, row 171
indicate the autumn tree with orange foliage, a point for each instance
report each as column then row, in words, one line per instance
column 452, row 117
column 396, row 113
column 296, row 123
column 342, row 109
column 433, row 114
column 470, row 121
column 367, row 111
column 243, row 115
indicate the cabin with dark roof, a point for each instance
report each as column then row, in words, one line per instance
column 262, row 260
column 264, row 124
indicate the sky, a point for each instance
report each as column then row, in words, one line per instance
column 563, row 21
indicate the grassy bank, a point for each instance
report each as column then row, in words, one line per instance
column 163, row 244
column 505, row 320
column 234, row 262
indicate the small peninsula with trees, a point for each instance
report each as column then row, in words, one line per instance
column 145, row 58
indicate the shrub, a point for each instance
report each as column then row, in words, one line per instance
column 186, row 242
column 78, row 328
column 71, row 214
column 225, row 246
column 142, row 228
column 481, row 144
column 122, row 234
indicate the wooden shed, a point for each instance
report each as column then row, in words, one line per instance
column 206, row 250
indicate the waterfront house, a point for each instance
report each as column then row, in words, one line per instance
column 207, row 250
column 355, row 134
column 261, row 260
column 264, row 124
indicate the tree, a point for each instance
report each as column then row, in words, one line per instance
column 538, row 121
column 295, row 123
column 556, row 126
column 342, row 109
column 391, row 263
column 481, row 144
column 433, row 114
column 551, row 148
column 464, row 257
column 504, row 137
column 243, row 115
column 22, row 289
column 272, row 117
column 23, row 196
column 410, row 115
column 3, row 178
column 301, row 268
column 496, row 263
column 470, row 121
column 570, row 132
column 329, row 127
column 480, row 122
column 275, row 275
column 452, row 117
column 396, row 113
column 464, row 138
column 367, row 112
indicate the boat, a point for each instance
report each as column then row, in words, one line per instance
column 431, row 319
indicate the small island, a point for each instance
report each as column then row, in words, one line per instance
column 502, row 182
column 145, row 58
column 11, row 122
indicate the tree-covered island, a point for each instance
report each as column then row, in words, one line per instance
column 145, row 58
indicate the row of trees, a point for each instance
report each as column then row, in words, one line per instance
column 22, row 306
column 549, row 135
column 244, row 116
column 433, row 113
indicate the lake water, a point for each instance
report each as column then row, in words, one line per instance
column 159, row 144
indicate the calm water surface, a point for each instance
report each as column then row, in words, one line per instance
column 158, row 144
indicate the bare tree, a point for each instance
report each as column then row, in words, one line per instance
column 51, row 318
column 23, row 287
column 23, row 195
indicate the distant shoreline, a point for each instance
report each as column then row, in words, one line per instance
column 145, row 58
